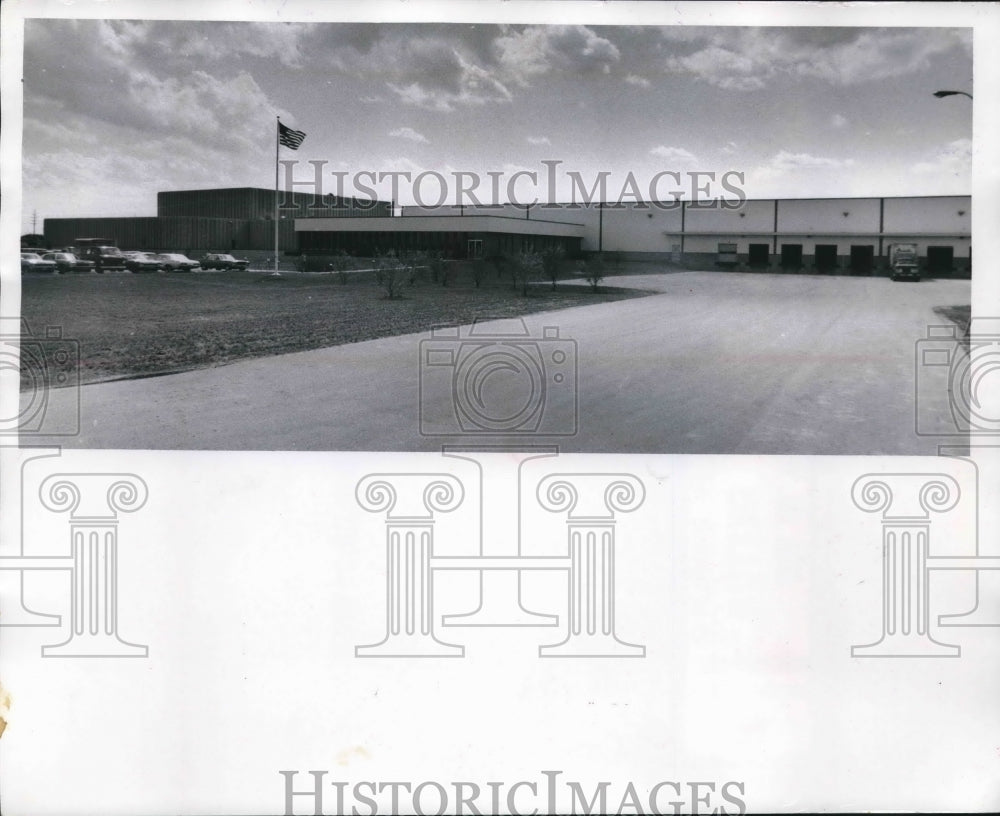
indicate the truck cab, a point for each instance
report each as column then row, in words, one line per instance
column 104, row 254
column 904, row 262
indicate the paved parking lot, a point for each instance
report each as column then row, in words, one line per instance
column 715, row 363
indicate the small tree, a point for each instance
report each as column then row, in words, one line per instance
column 552, row 260
column 499, row 262
column 390, row 273
column 416, row 263
column 478, row 271
column 438, row 268
column 340, row 263
column 527, row 267
column 593, row 270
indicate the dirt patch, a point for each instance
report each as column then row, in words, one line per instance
column 146, row 325
column 960, row 316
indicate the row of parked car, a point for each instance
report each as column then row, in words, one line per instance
column 112, row 259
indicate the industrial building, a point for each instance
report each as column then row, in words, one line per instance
column 809, row 234
column 220, row 220
column 826, row 235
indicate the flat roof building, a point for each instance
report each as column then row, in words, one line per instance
column 841, row 234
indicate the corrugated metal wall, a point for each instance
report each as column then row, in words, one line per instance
column 254, row 203
column 155, row 234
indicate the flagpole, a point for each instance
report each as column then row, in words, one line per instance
column 277, row 146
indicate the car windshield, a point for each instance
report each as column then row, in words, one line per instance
column 111, row 251
column 30, row 256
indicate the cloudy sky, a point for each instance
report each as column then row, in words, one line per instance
column 116, row 110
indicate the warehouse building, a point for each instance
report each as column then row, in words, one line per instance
column 825, row 235
column 473, row 235
column 220, row 220
column 835, row 235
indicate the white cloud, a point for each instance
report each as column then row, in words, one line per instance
column 786, row 160
column 839, row 121
column 746, row 59
column 952, row 162
column 804, row 170
column 728, row 69
column 676, row 155
column 639, row 81
column 409, row 133
column 539, row 140
column 538, row 50
column 472, row 86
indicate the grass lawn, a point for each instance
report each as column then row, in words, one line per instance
column 139, row 325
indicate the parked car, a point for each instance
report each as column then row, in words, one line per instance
column 175, row 262
column 68, row 262
column 33, row 262
column 105, row 258
column 141, row 262
column 219, row 260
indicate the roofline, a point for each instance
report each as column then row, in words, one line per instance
column 674, row 203
column 482, row 215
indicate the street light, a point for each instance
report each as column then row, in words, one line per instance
column 940, row 94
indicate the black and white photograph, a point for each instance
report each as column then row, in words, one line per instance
column 398, row 236
column 504, row 407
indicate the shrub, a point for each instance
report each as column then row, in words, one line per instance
column 340, row 263
column 478, row 268
column 593, row 270
column 391, row 273
column 416, row 263
column 438, row 268
column 552, row 260
column 526, row 268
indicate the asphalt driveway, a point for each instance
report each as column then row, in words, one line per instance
column 715, row 363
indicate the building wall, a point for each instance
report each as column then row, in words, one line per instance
column 240, row 219
column 628, row 228
column 753, row 216
column 151, row 233
column 828, row 215
column 940, row 214
column 255, row 203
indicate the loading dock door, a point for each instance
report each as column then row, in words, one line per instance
column 759, row 254
column 939, row 261
column 826, row 257
column 791, row 256
column 862, row 259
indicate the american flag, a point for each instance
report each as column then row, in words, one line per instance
column 290, row 138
